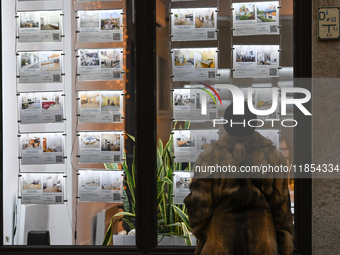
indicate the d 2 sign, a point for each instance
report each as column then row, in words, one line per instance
column 328, row 23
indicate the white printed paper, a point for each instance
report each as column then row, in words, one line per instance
column 181, row 186
column 271, row 134
column 39, row 26
column 193, row 24
column 189, row 144
column 101, row 106
column 42, row 188
column 42, row 148
column 257, row 18
column 194, row 64
column 40, row 67
column 42, row 107
column 251, row 61
column 101, row 186
column 101, row 147
column 187, row 105
column 100, row 64
column 100, row 26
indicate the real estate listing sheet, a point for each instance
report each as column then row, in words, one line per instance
column 181, row 180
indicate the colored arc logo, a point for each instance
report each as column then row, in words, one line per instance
column 213, row 90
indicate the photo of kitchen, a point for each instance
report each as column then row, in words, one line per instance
column 89, row 100
column 31, row 142
column 205, row 58
column 110, row 102
column 110, row 142
column 110, row 58
column 52, row 183
column 30, row 101
column 29, row 19
column 50, row 61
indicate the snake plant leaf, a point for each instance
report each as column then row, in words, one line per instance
column 132, row 137
column 166, row 180
column 130, row 224
column 177, row 224
column 187, row 234
column 183, row 216
column 187, row 125
column 160, row 146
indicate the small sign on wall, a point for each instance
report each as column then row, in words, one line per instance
column 328, row 23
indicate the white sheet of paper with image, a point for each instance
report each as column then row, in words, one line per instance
column 181, row 183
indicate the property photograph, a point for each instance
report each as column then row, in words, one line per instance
column 267, row 55
column 89, row 58
column 203, row 141
column 184, row 139
column 182, row 182
column 49, row 20
column 110, row 142
column 29, row 20
column 183, row 99
column 50, row 61
column 51, row 102
column 205, row 59
column 183, row 17
column 52, row 183
column 90, row 179
column 245, row 54
column 110, row 59
column 244, row 11
column 110, row 20
column 90, row 141
column 89, row 100
column 52, row 143
column 29, row 60
column 210, row 102
column 30, row 101
column 31, row 142
column 266, row 12
column 204, row 18
column 110, row 102
column 184, row 57
column 89, row 19
column 264, row 99
column 111, row 181
column 31, row 181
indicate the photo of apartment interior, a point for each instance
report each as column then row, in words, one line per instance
column 110, row 59
column 110, row 20
column 89, row 19
column 49, row 20
column 184, row 58
column 245, row 12
column 30, row 101
column 90, row 179
column 204, row 19
column 31, row 181
column 267, row 56
column 183, row 17
column 89, row 100
column 110, row 142
column 210, row 101
column 50, row 62
column 89, row 58
column 110, row 181
column 203, row 142
column 31, row 143
column 183, row 99
column 52, row 143
column 182, row 182
column 29, row 60
column 245, row 55
column 263, row 99
column 90, row 141
column 110, row 102
column 205, row 59
column 266, row 12
column 52, row 183
column 184, row 139
column 29, row 20
column 50, row 102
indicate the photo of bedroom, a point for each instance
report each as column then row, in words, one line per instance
column 52, row 143
column 90, row 179
column 205, row 58
column 183, row 17
column 49, row 20
column 111, row 181
column 30, row 101
column 31, row 142
column 89, row 100
column 110, row 102
column 184, row 139
column 110, row 59
column 184, row 57
column 110, row 20
column 267, row 55
column 89, row 58
column 51, row 102
column 110, row 142
column 245, row 54
column 29, row 60
column 29, row 19
column 50, row 61
column 31, row 181
column 52, row 183
column 89, row 19
column 204, row 18
column 90, row 141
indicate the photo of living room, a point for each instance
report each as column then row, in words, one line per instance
column 267, row 55
column 204, row 18
column 50, row 61
column 52, row 143
column 89, row 19
column 184, row 57
column 31, row 142
column 90, row 179
column 183, row 139
column 110, row 181
column 183, row 17
column 29, row 19
column 30, row 101
column 90, row 141
column 31, row 181
column 110, row 102
column 51, row 102
column 89, row 58
column 182, row 98
column 110, row 58
column 110, row 142
column 110, row 20
column 89, row 100
column 266, row 12
column 182, row 182
column 52, row 183
column 29, row 60
column 205, row 59
column 245, row 54
column 244, row 12
column 49, row 20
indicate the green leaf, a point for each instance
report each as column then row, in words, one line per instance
column 187, row 125
column 132, row 137
column 183, row 216
column 187, row 234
